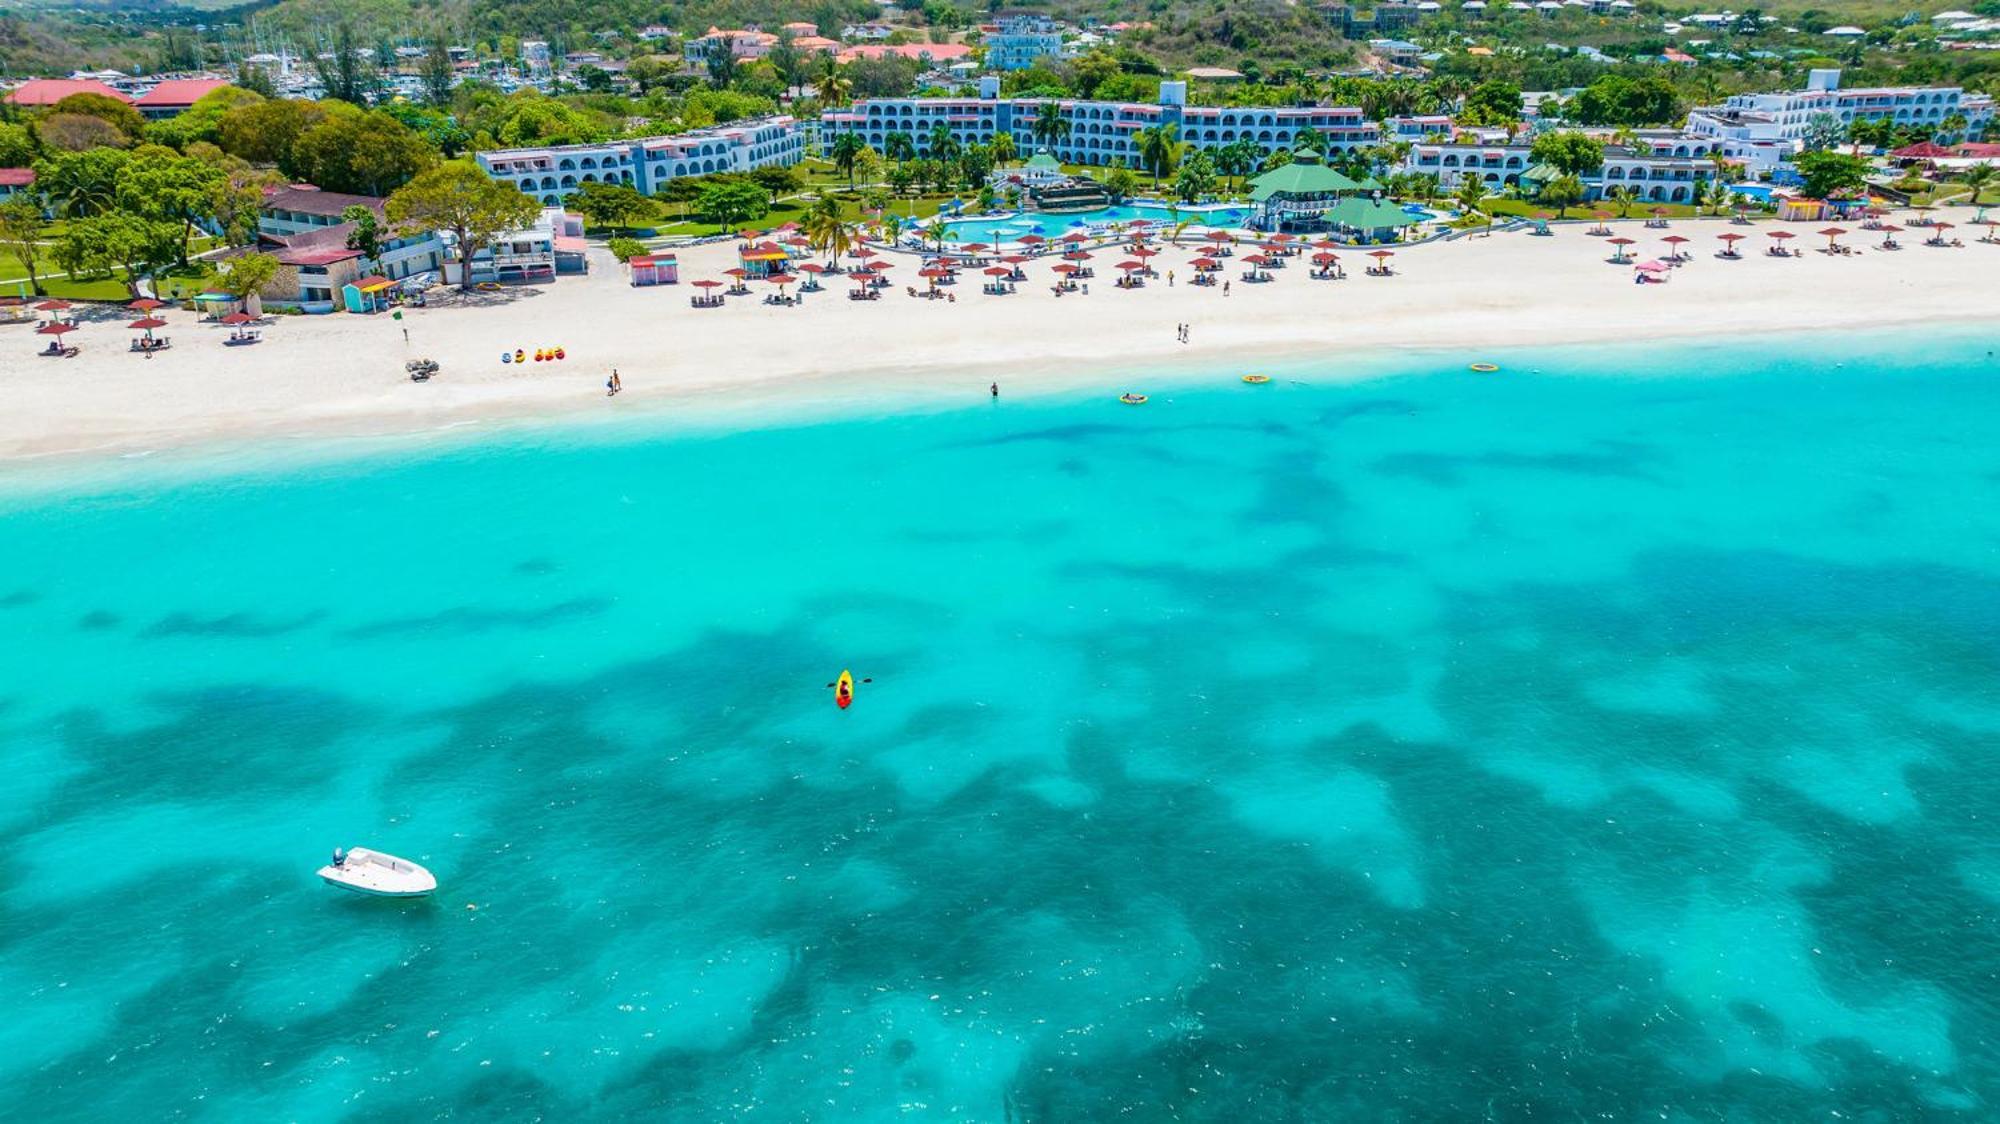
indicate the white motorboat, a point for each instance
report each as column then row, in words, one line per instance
column 372, row 872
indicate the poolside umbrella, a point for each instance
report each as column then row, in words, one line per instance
column 1831, row 234
column 1072, row 236
column 1032, row 239
column 246, row 318
column 1676, row 241
column 1281, row 238
column 145, row 304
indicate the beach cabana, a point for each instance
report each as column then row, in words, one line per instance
column 654, row 269
column 366, row 294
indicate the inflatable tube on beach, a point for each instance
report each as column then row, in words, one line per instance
column 1485, row 368
column 843, row 690
column 559, row 353
column 1131, row 399
column 506, row 357
column 1256, row 379
column 520, row 356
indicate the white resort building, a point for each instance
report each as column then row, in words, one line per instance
column 1783, row 116
column 1666, row 172
column 551, row 173
column 1099, row 132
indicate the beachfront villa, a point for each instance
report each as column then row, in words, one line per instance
column 551, row 173
column 551, row 245
column 1100, row 132
column 1297, row 196
column 1783, row 116
column 289, row 213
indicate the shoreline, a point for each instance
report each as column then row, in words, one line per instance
column 336, row 381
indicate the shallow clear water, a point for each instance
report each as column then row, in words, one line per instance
column 1002, row 231
column 1440, row 747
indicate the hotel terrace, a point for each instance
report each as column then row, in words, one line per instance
column 1100, row 132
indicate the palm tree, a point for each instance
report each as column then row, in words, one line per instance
column 1236, row 159
column 1050, row 127
column 1003, row 148
column 1719, row 196
column 846, row 148
column 827, row 230
column 898, row 146
column 1624, row 195
column 1977, row 177
column 943, row 145
column 1469, row 194
column 829, row 84
column 1159, row 148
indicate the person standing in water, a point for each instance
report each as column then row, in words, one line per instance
column 995, row 388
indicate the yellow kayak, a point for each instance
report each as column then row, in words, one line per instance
column 1256, row 378
column 1131, row 399
column 843, row 690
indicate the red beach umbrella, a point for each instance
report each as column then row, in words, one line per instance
column 1216, row 236
column 1032, row 240
column 1620, row 241
column 1205, row 263
column 998, row 271
column 145, row 304
column 52, row 306
column 1888, row 228
column 782, row 279
column 1325, row 259
column 1129, row 266
column 1676, row 240
column 1732, row 238
column 1014, row 259
column 934, row 273
column 812, row 267
column 1065, row 269
column 1780, row 235
column 1381, row 255
column 1256, row 259
column 54, row 328
column 704, row 283
column 977, row 246
column 245, row 318
column 737, row 272
column 1077, row 255
column 863, row 253
column 147, row 324
column 1073, row 236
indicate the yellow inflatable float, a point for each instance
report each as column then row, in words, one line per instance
column 1131, row 399
column 1256, row 380
column 1485, row 368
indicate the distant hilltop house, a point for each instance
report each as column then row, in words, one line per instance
column 163, row 99
column 1220, row 75
column 13, row 181
column 175, row 95
column 740, row 43
column 653, row 33
column 873, row 31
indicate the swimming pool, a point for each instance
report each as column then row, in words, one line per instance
column 1758, row 191
column 1011, row 227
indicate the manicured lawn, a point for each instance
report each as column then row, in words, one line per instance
column 1526, row 208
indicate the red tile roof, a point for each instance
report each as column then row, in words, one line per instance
column 48, row 91
column 307, row 199
column 316, row 257
column 16, row 177
column 937, row 52
column 181, row 92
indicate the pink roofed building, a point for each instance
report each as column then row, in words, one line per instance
column 935, row 54
column 173, row 96
column 13, row 181
column 40, row 93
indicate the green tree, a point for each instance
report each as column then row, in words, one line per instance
column 1977, row 177
column 941, row 144
column 614, row 205
column 80, row 184
column 1159, row 149
column 1120, row 183
column 625, row 249
column 264, row 133
column 731, row 202
column 1195, row 178
column 113, row 112
column 1470, row 194
column 1494, row 102
column 829, row 232
column 778, row 181
column 245, row 274
column 1570, row 153
column 342, row 71
column 463, row 201
column 363, row 153
column 21, row 233
column 846, row 147
column 1050, row 127
column 17, row 145
column 1237, row 159
column 1823, row 130
column 437, row 71
column 1003, row 149
column 367, row 235
column 1562, row 193
column 899, row 146
column 830, row 84
column 1623, row 196
column 163, row 186
column 256, row 80
column 117, row 239
column 1826, row 173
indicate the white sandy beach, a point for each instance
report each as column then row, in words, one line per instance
column 343, row 375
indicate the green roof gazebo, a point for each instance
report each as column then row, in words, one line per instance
column 1369, row 220
column 1295, row 196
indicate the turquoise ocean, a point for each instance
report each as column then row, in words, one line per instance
column 1611, row 738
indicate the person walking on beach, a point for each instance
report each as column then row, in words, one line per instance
column 1225, row 288
column 613, row 384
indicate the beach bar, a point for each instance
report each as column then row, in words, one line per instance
column 1296, row 196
